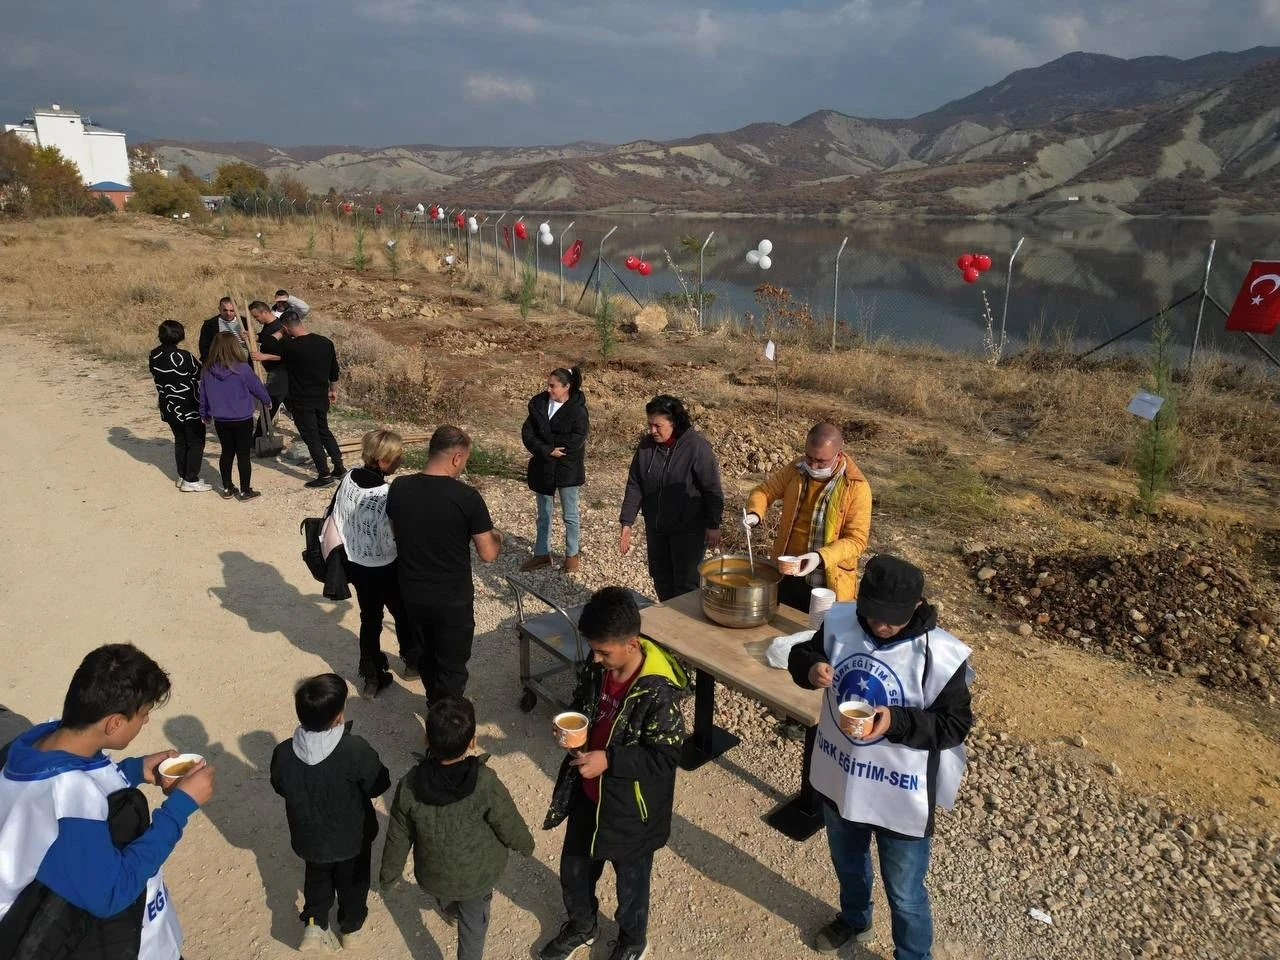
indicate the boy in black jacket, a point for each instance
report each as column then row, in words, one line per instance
column 327, row 777
column 617, row 792
column 883, row 775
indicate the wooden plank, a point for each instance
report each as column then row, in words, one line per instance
column 735, row 657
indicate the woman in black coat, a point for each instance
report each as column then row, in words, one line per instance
column 555, row 434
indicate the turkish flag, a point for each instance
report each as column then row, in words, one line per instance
column 1257, row 306
column 572, row 255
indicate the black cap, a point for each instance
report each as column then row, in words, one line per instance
column 890, row 590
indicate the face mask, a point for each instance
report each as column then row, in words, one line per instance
column 817, row 474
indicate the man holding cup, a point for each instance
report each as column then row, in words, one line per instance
column 889, row 746
column 825, row 522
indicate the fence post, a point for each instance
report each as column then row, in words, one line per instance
column 835, row 296
column 1204, row 293
column 562, row 233
column 600, row 262
column 1008, row 284
column 497, row 250
column 701, row 257
column 515, row 250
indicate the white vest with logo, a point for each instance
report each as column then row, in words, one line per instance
column 881, row 783
column 360, row 518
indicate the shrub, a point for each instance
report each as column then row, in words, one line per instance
column 240, row 177
column 164, row 196
column 1156, row 448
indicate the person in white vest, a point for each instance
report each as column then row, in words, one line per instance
column 359, row 523
column 80, row 856
column 882, row 776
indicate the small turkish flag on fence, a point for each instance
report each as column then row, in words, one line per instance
column 1257, row 306
column 572, row 255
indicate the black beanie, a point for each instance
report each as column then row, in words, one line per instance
column 890, row 590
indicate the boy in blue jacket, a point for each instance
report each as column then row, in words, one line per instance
column 59, row 843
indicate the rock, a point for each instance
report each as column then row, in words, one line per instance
column 1137, row 616
column 652, row 319
column 1078, row 741
column 986, row 573
column 296, row 453
column 1113, row 768
column 1025, row 629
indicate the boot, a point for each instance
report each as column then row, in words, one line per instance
column 536, row 562
column 572, row 564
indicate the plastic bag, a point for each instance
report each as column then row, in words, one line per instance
column 780, row 648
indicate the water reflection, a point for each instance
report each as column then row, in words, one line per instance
column 1079, row 283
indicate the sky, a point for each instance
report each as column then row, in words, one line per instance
column 525, row 72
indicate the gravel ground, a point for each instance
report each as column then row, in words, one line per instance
column 1119, row 875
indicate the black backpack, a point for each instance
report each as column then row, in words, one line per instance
column 331, row 572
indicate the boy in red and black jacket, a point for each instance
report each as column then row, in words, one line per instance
column 618, row 792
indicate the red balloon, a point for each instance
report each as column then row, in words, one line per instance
column 632, row 262
column 460, row 220
column 645, row 268
column 378, row 210
column 964, row 261
column 433, row 210
column 982, row 262
column 522, row 232
column 346, row 208
column 971, row 275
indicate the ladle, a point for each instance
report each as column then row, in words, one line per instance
column 751, row 557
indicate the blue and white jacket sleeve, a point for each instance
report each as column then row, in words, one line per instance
column 84, row 867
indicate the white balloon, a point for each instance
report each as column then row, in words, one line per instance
column 765, row 262
column 420, row 208
column 753, row 257
column 547, row 239
column 471, row 221
column 473, row 227
column 765, row 248
column 544, row 227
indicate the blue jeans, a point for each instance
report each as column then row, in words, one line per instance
column 572, row 525
column 904, row 861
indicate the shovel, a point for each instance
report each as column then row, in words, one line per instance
column 269, row 444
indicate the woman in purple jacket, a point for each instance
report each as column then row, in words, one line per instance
column 228, row 390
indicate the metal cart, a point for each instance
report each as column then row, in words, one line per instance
column 556, row 632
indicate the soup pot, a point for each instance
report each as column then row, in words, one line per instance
column 732, row 596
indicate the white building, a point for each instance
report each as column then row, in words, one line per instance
column 101, row 154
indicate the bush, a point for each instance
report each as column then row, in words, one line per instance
column 41, row 182
column 239, row 177
column 164, row 196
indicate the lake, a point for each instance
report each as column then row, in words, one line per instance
column 1077, row 283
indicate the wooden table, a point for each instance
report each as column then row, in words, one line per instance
column 736, row 658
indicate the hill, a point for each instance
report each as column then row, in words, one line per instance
column 1084, row 134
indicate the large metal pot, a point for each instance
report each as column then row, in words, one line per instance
column 732, row 596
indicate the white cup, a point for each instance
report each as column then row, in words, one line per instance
column 820, row 601
column 788, row 566
column 856, row 717
column 184, row 763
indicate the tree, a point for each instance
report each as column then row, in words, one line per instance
column 165, row 196
column 40, row 181
column 239, row 177
column 187, row 175
column 291, row 188
column 1156, row 448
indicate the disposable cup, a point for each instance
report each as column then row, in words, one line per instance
column 571, row 729
column 855, row 717
column 788, row 566
column 175, row 768
column 820, row 601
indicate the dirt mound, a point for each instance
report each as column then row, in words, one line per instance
column 1176, row 610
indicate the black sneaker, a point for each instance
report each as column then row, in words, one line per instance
column 226, row 493
column 410, row 671
column 566, row 943
column 632, row 952
column 339, row 472
column 322, row 481
column 837, row 933
column 375, row 685
column 248, row 494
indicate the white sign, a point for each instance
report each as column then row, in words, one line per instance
column 770, row 351
column 1145, row 405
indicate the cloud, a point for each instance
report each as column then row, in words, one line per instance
column 493, row 88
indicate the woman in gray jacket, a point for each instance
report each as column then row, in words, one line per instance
column 675, row 482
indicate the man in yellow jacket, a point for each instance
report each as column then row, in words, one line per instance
column 826, row 517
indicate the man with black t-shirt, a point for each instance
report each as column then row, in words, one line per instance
column 312, row 364
column 269, row 337
column 436, row 518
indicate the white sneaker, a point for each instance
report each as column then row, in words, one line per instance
column 318, row 940
column 194, row 486
column 352, row 939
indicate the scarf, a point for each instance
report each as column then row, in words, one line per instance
column 822, row 528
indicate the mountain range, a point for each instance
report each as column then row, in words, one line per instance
column 1083, row 134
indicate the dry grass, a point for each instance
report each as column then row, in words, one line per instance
column 104, row 285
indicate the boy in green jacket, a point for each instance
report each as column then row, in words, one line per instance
column 460, row 821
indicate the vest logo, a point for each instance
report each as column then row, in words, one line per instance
column 861, row 676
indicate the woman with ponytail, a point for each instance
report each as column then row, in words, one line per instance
column 555, row 434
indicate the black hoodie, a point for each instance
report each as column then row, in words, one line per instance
column 677, row 488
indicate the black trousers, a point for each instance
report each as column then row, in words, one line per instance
column 236, row 437
column 278, row 389
column 188, row 447
column 794, row 592
column 348, row 882
column 313, row 426
column 377, row 588
column 441, row 631
column 674, row 559
column 580, row 872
